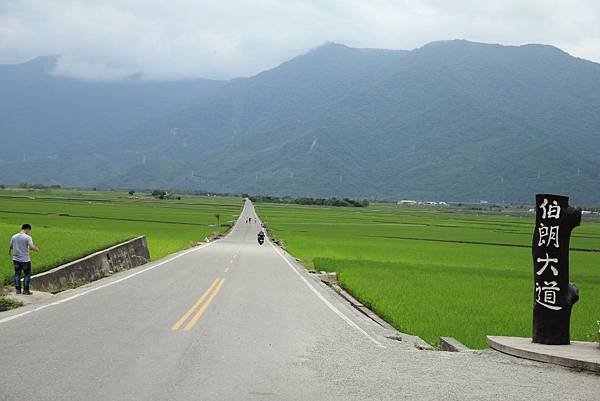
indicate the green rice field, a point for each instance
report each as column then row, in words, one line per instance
column 438, row 271
column 68, row 224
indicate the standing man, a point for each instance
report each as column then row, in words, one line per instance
column 20, row 244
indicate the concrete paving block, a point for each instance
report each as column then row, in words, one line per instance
column 451, row 344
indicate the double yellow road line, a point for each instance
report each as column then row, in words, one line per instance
column 201, row 304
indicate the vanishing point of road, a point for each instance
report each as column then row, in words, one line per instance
column 232, row 320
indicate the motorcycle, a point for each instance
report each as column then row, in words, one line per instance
column 261, row 238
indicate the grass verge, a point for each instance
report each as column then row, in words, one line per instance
column 7, row 303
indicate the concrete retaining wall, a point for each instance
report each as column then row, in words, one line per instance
column 123, row 256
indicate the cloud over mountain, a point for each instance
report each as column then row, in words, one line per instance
column 183, row 39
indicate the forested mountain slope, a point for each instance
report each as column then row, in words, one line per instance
column 453, row 120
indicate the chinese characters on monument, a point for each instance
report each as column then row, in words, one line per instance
column 554, row 296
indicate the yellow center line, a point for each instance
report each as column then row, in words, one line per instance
column 203, row 308
column 187, row 314
column 231, row 263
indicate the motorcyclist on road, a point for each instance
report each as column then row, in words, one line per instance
column 261, row 237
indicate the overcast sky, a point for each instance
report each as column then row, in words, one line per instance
column 172, row 39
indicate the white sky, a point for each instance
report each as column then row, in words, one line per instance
column 173, row 39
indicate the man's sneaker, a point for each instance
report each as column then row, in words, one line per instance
column 18, row 291
column 26, row 292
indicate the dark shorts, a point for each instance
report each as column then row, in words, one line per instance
column 24, row 267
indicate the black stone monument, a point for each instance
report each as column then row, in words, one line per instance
column 553, row 295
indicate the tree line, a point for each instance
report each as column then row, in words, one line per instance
column 333, row 201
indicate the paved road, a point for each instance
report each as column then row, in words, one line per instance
column 236, row 321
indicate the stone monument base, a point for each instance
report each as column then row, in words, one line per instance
column 578, row 354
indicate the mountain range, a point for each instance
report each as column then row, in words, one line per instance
column 452, row 120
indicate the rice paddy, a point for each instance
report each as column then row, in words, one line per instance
column 69, row 224
column 438, row 271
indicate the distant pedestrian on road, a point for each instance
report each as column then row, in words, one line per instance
column 20, row 244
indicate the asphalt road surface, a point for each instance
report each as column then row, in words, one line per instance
column 233, row 320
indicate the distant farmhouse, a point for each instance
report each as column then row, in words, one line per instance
column 414, row 202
